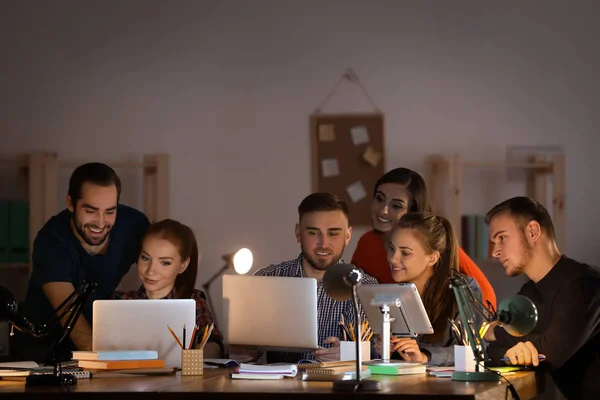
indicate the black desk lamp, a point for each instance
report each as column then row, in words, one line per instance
column 516, row 314
column 73, row 305
column 339, row 282
column 241, row 261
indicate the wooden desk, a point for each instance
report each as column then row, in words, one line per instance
column 216, row 384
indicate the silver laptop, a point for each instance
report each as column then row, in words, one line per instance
column 142, row 325
column 407, row 312
column 271, row 312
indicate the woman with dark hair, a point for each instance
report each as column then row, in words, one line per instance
column 396, row 193
column 167, row 267
column 422, row 249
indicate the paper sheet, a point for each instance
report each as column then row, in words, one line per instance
column 360, row 135
column 371, row 156
column 326, row 133
column 330, row 167
column 356, row 191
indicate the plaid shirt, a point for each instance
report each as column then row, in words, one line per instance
column 203, row 314
column 329, row 310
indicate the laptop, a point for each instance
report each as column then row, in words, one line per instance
column 142, row 325
column 271, row 312
column 407, row 312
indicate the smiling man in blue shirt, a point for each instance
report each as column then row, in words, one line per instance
column 95, row 239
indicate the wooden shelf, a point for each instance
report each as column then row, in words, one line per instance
column 445, row 184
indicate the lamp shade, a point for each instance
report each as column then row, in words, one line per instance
column 339, row 279
column 242, row 261
column 517, row 315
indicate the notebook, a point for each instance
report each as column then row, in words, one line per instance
column 22, row 375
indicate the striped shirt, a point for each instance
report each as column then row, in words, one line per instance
column 329, row 311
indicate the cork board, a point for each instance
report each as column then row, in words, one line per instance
column 348, row 158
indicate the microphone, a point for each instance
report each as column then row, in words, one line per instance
column 339, row 279
column 339, row 282
column 8, row 312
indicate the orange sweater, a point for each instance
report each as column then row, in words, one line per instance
column 371, row 256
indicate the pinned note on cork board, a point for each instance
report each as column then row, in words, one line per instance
column 347, row 159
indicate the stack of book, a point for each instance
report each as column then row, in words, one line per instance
column 118, row 359
column 475, row 237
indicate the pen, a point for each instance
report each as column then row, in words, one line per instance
column 184, row 336
column 541, row 357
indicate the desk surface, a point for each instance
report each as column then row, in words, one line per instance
column 216, row 384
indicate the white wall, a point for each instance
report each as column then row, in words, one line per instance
column 227, row 88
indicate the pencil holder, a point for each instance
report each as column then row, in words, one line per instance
column 348, row 351
column 192, row 362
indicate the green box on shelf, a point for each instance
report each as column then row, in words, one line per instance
column 14, row 231
column 19, row 231
column 4, row 231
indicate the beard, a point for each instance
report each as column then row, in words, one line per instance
column 319, row 265
column 81, row 230
column 527, row 250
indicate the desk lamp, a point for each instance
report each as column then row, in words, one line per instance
column 241, row 261
column 339, row 282
column 516, row 314
column 72, row 306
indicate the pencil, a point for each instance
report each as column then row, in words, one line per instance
column 175, row 336
column 205, row 339
column 193, row 337
column 183, row 336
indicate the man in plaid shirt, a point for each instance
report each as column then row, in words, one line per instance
column 323, row 233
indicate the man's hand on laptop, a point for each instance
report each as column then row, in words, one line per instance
column 242, row 354
column 331, row 353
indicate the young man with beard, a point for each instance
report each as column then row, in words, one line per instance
column 94, row 239
column 323, row 233
column 565, row 292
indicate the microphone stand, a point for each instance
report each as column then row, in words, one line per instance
column 358, row 384
column 74, row 306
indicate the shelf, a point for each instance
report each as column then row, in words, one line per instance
column 445, row 183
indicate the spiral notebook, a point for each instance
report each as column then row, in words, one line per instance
column 22, row 375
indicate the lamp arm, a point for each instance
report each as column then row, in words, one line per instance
column 75, row 299
column 207, row 284
column 466, row 315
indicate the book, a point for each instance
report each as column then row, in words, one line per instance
column 343, row 376
column 398, row 369
column 128, row 373
column 256, row 376
column 340, row 369
column 277, row 369
column 304, row 364
column 221, row 362
column 24, row 374
column 122, row 364
column 115, row 355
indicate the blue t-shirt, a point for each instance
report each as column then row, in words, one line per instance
column 58, row 256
